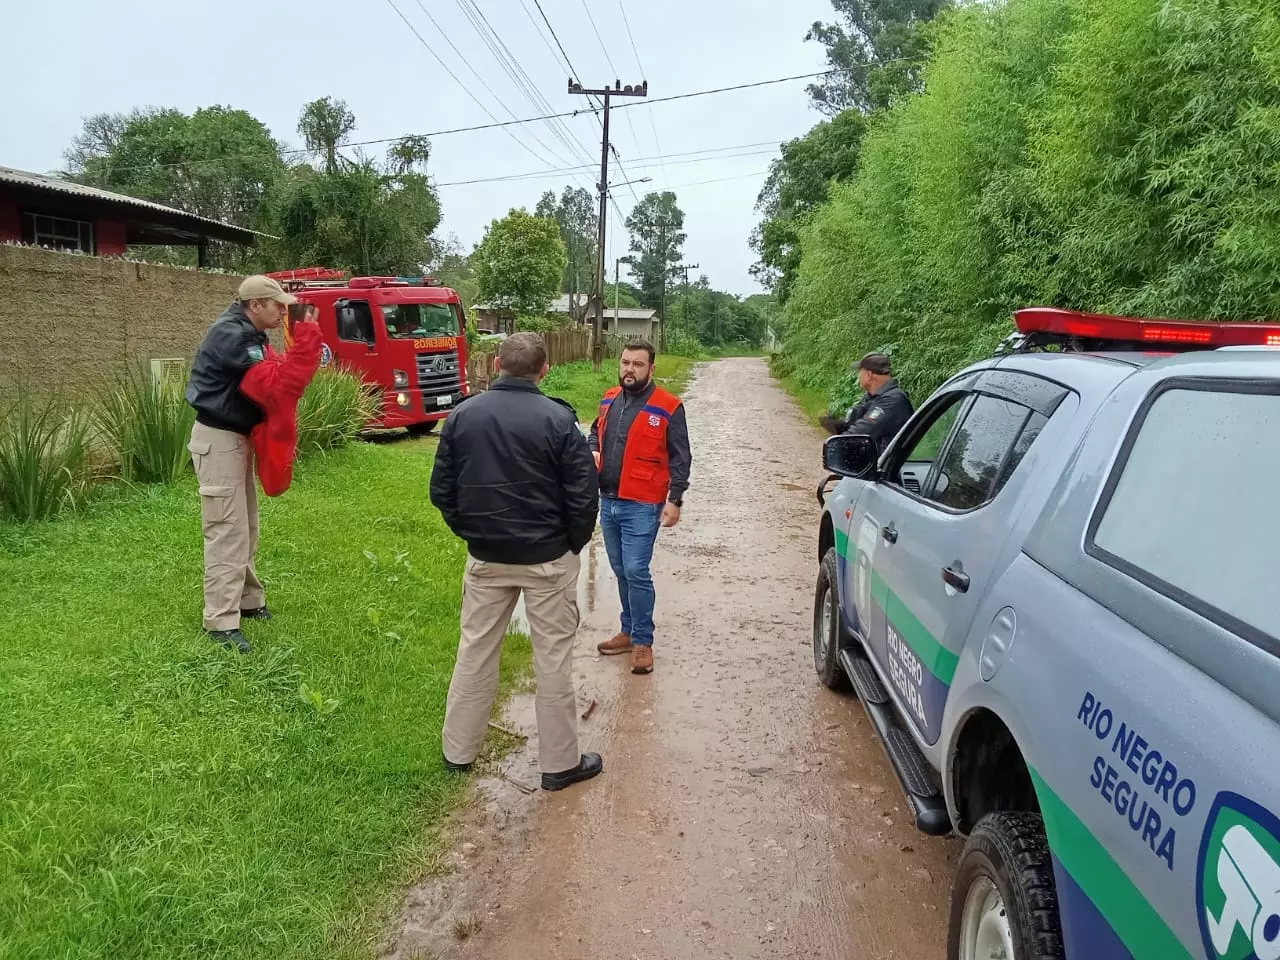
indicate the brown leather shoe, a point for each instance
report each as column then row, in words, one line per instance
column 642, row 659
column 617, row 644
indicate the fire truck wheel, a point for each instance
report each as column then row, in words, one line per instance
column 421, row 429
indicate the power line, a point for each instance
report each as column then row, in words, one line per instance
column 440, row 30
column 567, row 62
column 609, row 60
column 736, row 176
column 653, row 125
column 499, row 124
column 426, row 46
column 596, row 103
column 538, row 29
column 599, row 39
column 511, row 65
column 640, row 164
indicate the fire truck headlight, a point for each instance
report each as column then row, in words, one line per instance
column 399, row 379
column 402, row 398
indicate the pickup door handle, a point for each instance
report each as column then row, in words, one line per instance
column 955, row 578
column 890, row 533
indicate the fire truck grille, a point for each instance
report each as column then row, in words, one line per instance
column 439, row 372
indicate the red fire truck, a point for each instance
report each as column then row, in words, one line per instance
column 402, row 335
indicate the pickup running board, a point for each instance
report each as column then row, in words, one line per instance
column 915, row 776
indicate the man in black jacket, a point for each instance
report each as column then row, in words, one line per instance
column 884, row 408
column 223, row 456
column 514, row 478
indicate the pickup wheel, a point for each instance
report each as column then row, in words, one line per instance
column 421, row 429
column 1004, row 903
column 827, row 629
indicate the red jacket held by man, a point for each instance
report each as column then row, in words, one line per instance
column 276, row 385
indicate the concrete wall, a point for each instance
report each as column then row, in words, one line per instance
column 68, row 322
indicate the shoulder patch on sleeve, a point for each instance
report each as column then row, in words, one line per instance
column 874, row 414
column 256, row 354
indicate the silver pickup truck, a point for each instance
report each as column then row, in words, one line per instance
column 1052, row 594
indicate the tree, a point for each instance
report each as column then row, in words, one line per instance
column 361, row 217
column 325, row 124
column 218, row 163
column 99, row 138
column 624, row 293
column 519, row 264
column 871, row 33
column 451, row 265
column 714, row 318
column 798, row 183
column 355, row 214
column 657, row 239
column 575, row 213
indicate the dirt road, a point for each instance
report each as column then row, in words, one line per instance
column 744, row 811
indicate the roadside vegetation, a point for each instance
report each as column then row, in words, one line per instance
column 163, row 798
column 56, row 454
column 1110, row 155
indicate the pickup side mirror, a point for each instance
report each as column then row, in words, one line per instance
column 850, row 455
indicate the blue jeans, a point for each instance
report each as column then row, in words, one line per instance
column 630, row 530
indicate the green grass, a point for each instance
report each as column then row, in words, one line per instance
column 812, row 401
column 163, row 798
column 583, row 387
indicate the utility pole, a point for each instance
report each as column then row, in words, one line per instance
column 684, row 294
column 617, row 265
column 597, row 293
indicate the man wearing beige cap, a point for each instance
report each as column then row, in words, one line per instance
column 223, row 457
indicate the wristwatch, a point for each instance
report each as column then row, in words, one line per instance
column 676, row 503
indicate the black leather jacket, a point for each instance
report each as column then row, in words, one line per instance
column 513, row 476
column 230, row 347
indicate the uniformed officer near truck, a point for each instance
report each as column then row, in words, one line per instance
column 884, row 409
column 223, row 456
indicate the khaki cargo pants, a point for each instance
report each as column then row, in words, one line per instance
column 229, row 517
column 489, row 594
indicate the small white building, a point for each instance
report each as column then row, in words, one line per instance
column 625, row 322
column 631, row 322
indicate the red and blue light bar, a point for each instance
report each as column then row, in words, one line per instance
column 1097, row 326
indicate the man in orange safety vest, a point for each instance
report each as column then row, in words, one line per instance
column 641, row 444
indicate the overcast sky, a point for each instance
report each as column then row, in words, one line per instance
column 268, row 57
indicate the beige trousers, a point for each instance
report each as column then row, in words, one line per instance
column 229, row 518
column 489, row 594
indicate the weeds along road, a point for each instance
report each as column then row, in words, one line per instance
column 745, row 811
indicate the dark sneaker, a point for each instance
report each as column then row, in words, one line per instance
column 456, row 767
column 618, row 643
column 589, row 766
column 230, row 639
column 257, row 613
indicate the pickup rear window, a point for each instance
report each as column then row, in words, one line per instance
column 1191, row 509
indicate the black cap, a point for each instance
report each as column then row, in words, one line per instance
column 876, row 363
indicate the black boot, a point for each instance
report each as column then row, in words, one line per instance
column 230, row 639
column 456, row 767
column 257, row 613
column 589, row 766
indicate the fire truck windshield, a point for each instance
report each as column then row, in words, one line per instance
column 405, row 321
